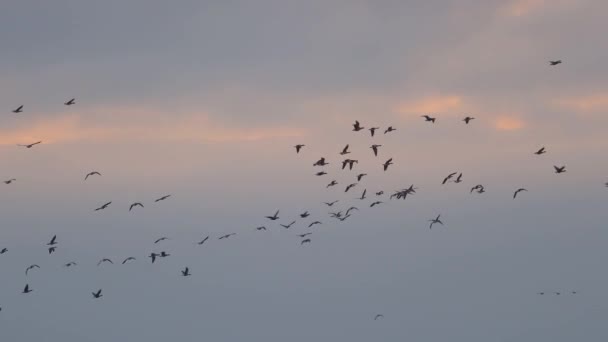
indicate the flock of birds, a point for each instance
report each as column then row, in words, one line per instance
column 341, row 215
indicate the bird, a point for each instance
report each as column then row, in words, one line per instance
column 305, row 241
column 305, row 214
column 477, row 187
column 343, row 218
column 226, row 236
column 31, row 267
column 53, row 241
column 136, row 204
column 27, row 289
column 345, row 150
column 559, row 61
column 320, row 173
column 104, row 260
column 606, row 184
column 153, row 256
column 128, row 259
column 378, row 316
column 161, row 239
column 387, row 163
column 18, row 110
column 203, row 240
column 558, row 293
column 70, row 264
column 541, row 293
column 320, row 162
column 361, row 175
column 333, row 182
column 336, row 215
column 314, row 223
column 518, row 191
column 350, row 186
column 372, row 130
column 299, row 147
column 375, row 149
column 448, row 177
column 349, row 210
column 274, row 217
column 459, row 178
column 31, row 145
column 164, row 254
column 10, row 181
column 329, row 204
column 287, row 226
column 389, row 129
column 468, row 119
column 436, row 220
column 560, row 169
column 573, row 292
column 352, row 162
column 186, row 272
column 91, row 174
column 304, row 235
column 540, row 151
column 261, row 228
column 379, row 193
column 162, row 198
column 357, row 126
column 70, row 102
column 363, row 194
column 52, row 250
column 97, row 294
column 428, row 118
column 375, row 204
column 103, row 206
column 345, row 162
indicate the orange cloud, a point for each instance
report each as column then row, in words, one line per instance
column 508, row 123
column 587, row 103
column 519, row 8
column 433, row 104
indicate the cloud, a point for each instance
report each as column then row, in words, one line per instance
column 508, row 123
column 520, row 8
column 432, row 104
column 585, row 103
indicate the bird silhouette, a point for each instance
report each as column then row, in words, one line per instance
column 372, row 130
column 477, row 187
column 332, row 183
column 274, row 217
column 70, row 102
column 468, row 119
column 329, row 204
column 53, row 241
column 389, row 129
column 361, row 175
column 345, row 150
column 97, row 294
column 305, row 241
column 357, row 126
column 164, row 254
column 387, row 164
column 375, row 204
column 186, row 272
column 104, row 260
column 261, row 228
column 320, row 173
column 18, row 110
column 304, row 214
column 31, row 267
column 375, row 149
column 91, row 174
column 287, row 226
column 518, row 191
column 559, row 61
column 459, row 178
column 9, row 181
column 162, row 198
column 378, row 316
column 540, row 151
column 161, row 239
column 379, row 193
column 320, row 162
column 436, row 220
column 226, row 236
column 27, row 289
column 428, row 118
column 299, row 147
column 304, row 235
column 349, row 210
column 70, row 264
column 52, row 250
column 103, row 206
column 128, row 259
column 31, row 145
column 560, row 169
column 136, row 204
column 153, row 256
column 203, row 240
column 363, row 194
column 314, row 223
column 350, row 186
column 448, row 177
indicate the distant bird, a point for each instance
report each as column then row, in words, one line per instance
column 70, row 264
column 186, row 272
column 357, row 126
column 448, row 177
column 153, row 256
column 164, row 254
column 387, row 164
column 573, row 292
column 305, row 241
column 18, row 110
column 128, row 259
column 390, row 129
column 559, row 61
column 541, row 151
column 468, row 119
column 428, row 118
column 53, row 241
column 518, row 191
column 320, row 173
column 436, row 220
column 161, row 239
column 329, row 204
column 375, row 149
column 375, row 204
column 320, row 162
column 372, row 130
column 606, row 184
column 337, row 215
column 31, row 145
column 226, row 236
column 52, row 250
column 378, row 316
column 314, row 223
column 203, row 240
column 560, row 169
column 345, row 150
column 299, row 147
column 3, row 250
column 27, row 289
column 136, row 204
column 333, row 182
column 558, row 293
column 103, row 206
column 274, row 217
column 459, row 178
column 361, row 175
column 349, row 210
column 162, row 198
column 541, row 293
column 477, row 187
column 10, row 181
column 349, row 162
column 304, row 235
column 350, row 186
column 91, row 174
column 69, row 103
column 305, row 214
column 287, row 226
column 261, row 228
column 343, row 218
column 31, row 267
column 104, row 260
column 363, row 194
column 97, row 294
column 379, row 193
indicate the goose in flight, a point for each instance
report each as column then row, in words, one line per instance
column 91, row 174
column 329, row 204
column 361, row 175
column 387, row 164
column 27, row 289
column 261, row 228
column 287, row 226
column 305, row 241
column 468, row 119
column 31, row 267
column 69, row 103
column 226, row 236
column 164, row 254
column 333, row 182
column 104, row 206
column 304, row 235
column 70, row 264
column 436, row 220
column 541, row 151
column 18, row 110
column 97, row 294
column 345, row 150
column 203, row 240
column 349, row 162
column 518, row 191
column 153, row 256
column 357, row 126
column 560, row 169
column 559, row 61
column 161, row 239
column 314, row 223
column 305, row 214
column 299, row 147
column 136, row 204
column 375, row 149
column 30, row 145
column 53, row 241
column 375, row 204
column 350, row 186
column 10, row 181
column 363, row 194
column 162, row 198
column 372, row 130
column 186, row 272
column 274, row 217
column 128, row 259
column 320, row 162
column 459, row 178
column 52, row 250
column 104, row 260
column 390, row 129
column 428, row 118
column 320, row 173
column 378, row 316
column 449, row 177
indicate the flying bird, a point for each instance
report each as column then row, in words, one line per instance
column 375, row 149
column 10, row 181
column 372, row 130
column 299, row 147
column 357, row 126
column 387, row 163
column 52, row 250
column 541, row 151
column 304, row 214
column 128, row 259
column 560, row 169
column 18, row 110
column 320, row 173
column 164, row 254
column 4, row 250
column 161, row 239
column 448, row 177
column 136, row 204
column 518, row 191
column 363, row 194
column 186, row 272
column 153, row 256
column 349, row 210
column 333, row 182
column 27, row 289
column 477, row 187
column 162, row 198
column 459, row 178
column 305, row 241
column 97, row 294
column 436, row 220
column 104, row 260
column 91, row 174
column 274, row 217
column 468, row 119
column 320, row 162
column 287, row 226
column 379, row 193
column 31, row 267
column 345, row 150
column 304, row 235
column 103, row 206
column 361, row 175
column 378, row 316
column 375, row 204
column 329, row 204
column 203, row 240
column 390, row 129
column 53, row 241
column 428, row 118
column 261, row 228
column 350, row 186
column 31, row 145
column 69, row 103
column 70, row 264
column 226, row 236
column 559, row 61
column 314, row 223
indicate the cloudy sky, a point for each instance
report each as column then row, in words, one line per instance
column 205, row 100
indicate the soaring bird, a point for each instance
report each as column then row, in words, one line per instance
column 261, row 228
column 52, row 250
column 104, row 206
column 162, row 198
column 305, row 214
column 305, row 241
column 363, row 194
column 320, row 162
column 518, row 191
column 287, row 226
column 97, row 294
column 357, row 126
column 314, row 223
column 136, row 204
column 387, row 163
column 345, row 150
column 164, row 254
column 10, row 181
column 378, row 316
column 53, row 241
column 375, row 204
column 27, row 289
column 203, row 240
column 226, row 236
column 104, row 260
column 468, row 119
column 3, row 250
column 299, row 147
column 320, row 173
column 70, row 264
column 69, row 103
column 127, row 260
column 560, row 169
column 436, row 220
column 304, row 235
column 161, row 239
column 329, row 204
column 448, row 177
column 349, row 210
column 375, row 149
column 459, row 178
column 477, row 187
column 559, row 61
column 91, row 174
column 274, row 217
column 30, row 145
column 343, row 218
column 186, row 272
column 361, row 175
column 350, row 186
column 428, row 118
column 541, row 151
column 372, row 130
column 31, row 267
column 390, row 129
column 332, row 183
column 18, row 110
column 153, row 256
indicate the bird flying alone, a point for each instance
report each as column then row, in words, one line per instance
column 372, row 130
column 162, row 198
column 161, row 239
column 27, row 289
column 320, row 162
column 127, row 260
column 428, row 118
column 18, row 110
column 436, row 220
column 305, row 241
column 345, row 150
column 287, row 226
column 390, row 129
column 97, row 294
column 136, row 204
column 92, row 173
column 70, row 102
column 53, row 241
column 559, row 169
column 387, row 164
column 357, row 126
column 446, row 179
column 31, row 145
column 274, row 217
column 186, row 272
column 30, row 268
column 559, row 61
column 299, row 147
column 375, row 149
column 203, row 240
column 104, row 206
column 468, row 119
column 541, row 151
column 9, row 181
column 518, row 191
column 378, row 316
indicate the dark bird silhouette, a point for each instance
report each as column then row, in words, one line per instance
column 299, row 147
column 10, row 181
column 314, row 223
column 164, row 254
column 103, row 206
column 304, row 235
column 559, row 61
column 53, row 241
column 287, row 226
column 541, row 293
column 349, row 210
column 436, row 220
column 428, row 118
column 274, row 217
column 345, row 150
column 91, row 174
column 305, row 241
column 541, row 151
column 31, row 267
column 606, row 184
column 558, row 293
column 104, row 260
column 363, row 194
column 518, row 191
column 128, row 259
column 378, row 316
column 18, row 110
column 477, row 187
column 304, row 214
column 573, row 292
column 387, row 164
column 459, row 178
column 70, row 264
column 203, row 240
column 361, row 175
column 333, row 182
column 31, row 145
column 136, row 204
column 226, row 236
column 97, row 294
column 349, row 162
column 468, row 119
column 162, row 198
column 372, row 130
column 161, row 239
column 27, row 289
column 379, row 193
column 320, row 162
column 375, row 204
column 375, row 149
column 357, row 126
column 389, row 129
column 69, row 103
column 261, row 228
column 560, row 169
column 52, row 250
column 153, row 256
column 4, row 250
column 320, row 173
column 186, row 272
column 350, row 186
column 449, row 177
column 336, row 215
column 329, row 204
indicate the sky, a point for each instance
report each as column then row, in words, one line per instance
column 204, row 100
